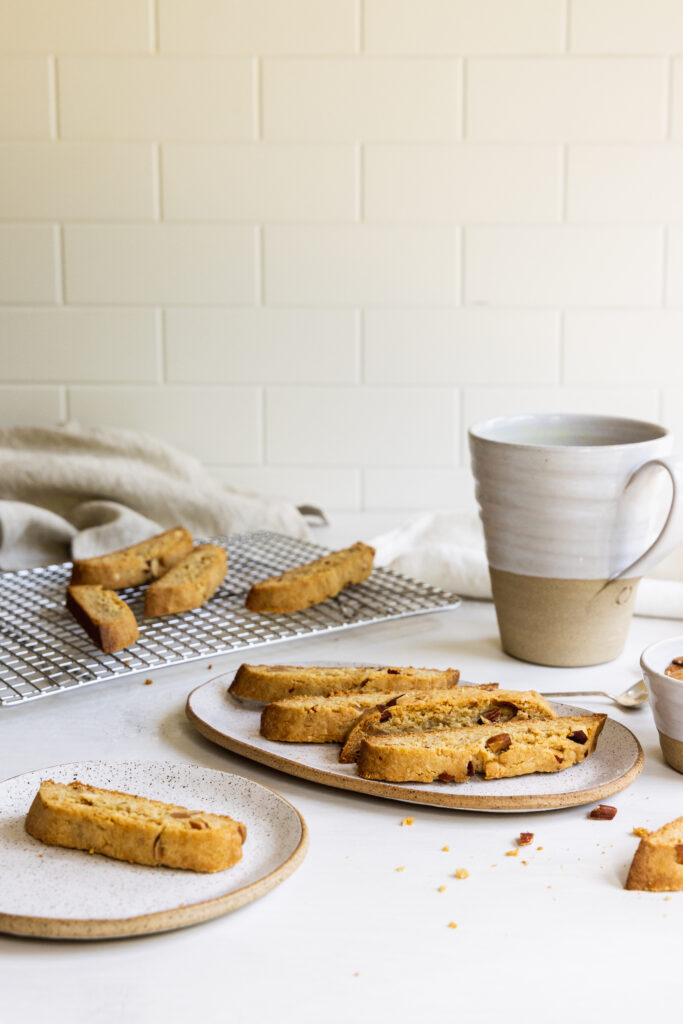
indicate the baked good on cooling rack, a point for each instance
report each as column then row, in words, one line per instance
column 133, row 828
column 137, row 564
column 317, row 719
column 658, row 862
column 449, row 709
column 312, row 583
column 107, row 619
column 267, row 683
column 454, row 755
column 189, row 584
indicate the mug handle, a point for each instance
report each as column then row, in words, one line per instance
column 671, row 534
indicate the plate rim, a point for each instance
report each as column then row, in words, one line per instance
column 182, row 916
column 388, row 790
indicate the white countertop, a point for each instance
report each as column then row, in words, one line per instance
column 347, row 937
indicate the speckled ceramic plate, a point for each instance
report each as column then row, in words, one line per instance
column 51, row 892
column 234, row 724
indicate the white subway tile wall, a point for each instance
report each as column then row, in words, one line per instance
column 310, row 241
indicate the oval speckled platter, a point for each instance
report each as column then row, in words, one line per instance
column 234, row 724
column 50, row 892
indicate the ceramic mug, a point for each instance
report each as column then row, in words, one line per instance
column 575, row 510
column 666, row 697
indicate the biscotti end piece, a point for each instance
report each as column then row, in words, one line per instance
column 317, row 719
column 312, row 583
column 107, row 619
column 189, row 584
column 449, row 709
column 658, row 862
column 268, row 683
column 137, row 564
column 133, row 828
column 454, row 755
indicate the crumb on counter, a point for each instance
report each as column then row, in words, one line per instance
column 445, row 849
column 209, row 666
column 452, row 924
column 539, row 847
column 641, row 832
column 603, row 812
column 461, row 873
column 148, row 682
column 402, row 868
column 525, row 838
column 512, row 853
column 407, row 821
column 442, row 888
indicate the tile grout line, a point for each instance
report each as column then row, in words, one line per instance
column 153, row 16
column 257, row 95
column 53, row 97
column 60, row 264
column 160, row 324
column 566, row 26
column 157, row 183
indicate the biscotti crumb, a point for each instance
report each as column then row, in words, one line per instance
column 641, row 832
column 445, row 849
column 356, row 974
column 525, row 838
column 402, row 868
column 461, row 873
column 209, row 667
column 525, row 862
column 442, row 888
column 603, row 812
column 512, row 853
column 408, row 821
column 148, row 682
column 452, row 924
column 666, row 899
column 539, row 847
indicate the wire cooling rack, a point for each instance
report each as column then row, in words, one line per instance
column 43, row 650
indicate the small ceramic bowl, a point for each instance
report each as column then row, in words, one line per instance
column 666, row 697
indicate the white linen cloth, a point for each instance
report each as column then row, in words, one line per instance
column 446, row 549
column 78, row 492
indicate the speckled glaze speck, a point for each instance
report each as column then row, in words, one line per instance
column 234, row 724
column 65, row 893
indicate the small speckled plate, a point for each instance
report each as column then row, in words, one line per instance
column 50, row 892
column 234, row 724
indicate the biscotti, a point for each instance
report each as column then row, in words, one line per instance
column 107, row 619
column 311, row 583
column 464, row 705
column 138, row 564
column 454, row 755
column 658, row 862
column 268, row 683
column 189, row 584
column 317, row 719
column 133, row 828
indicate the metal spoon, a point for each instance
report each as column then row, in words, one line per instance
column 631, row 698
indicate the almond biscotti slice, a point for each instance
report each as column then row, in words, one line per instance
column 267, row 683
column 133, row 828
column 454, row 755
column 107, row 619
column 138, row 564
column 189, row 584
column 465, row 705
column 312, row 583
column 317, row 719
column 658, row 862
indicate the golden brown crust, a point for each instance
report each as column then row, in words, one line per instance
column 268, row 683
column 133, row 828
column 139, row 563
column 463, row 706
column 313, row 582
column 317, row 719
column 189, row 584
column 454, row 755
column 658, row 862
column 107, row 619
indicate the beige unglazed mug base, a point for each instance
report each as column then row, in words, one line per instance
column 672, row 750
column 564, row 623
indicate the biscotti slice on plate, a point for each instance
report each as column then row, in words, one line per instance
column 464, row 705
column 658, row 862
column 138, row 564
column 133, row 828
column 107, row 619
column 268, row 683
column 189, row 584
column 311, row 583
column 317, row 719
column 454, row 755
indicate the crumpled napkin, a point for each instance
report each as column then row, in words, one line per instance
column 446, row 549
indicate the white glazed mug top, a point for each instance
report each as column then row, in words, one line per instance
column 666, row 694
column 561, row 497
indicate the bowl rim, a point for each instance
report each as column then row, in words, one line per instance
column 646, row 660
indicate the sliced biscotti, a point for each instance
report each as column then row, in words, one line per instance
column 107, row 619
column 454, row 755
column 267, row 683
column 133, row 828
column 189, row 584
column 138, row 564
column 658, row 862
column 317, row 719
column 449, row 709
column 311, row 583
